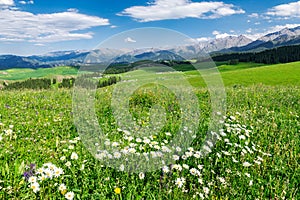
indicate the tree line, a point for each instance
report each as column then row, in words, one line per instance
column 272, row 56
column 46, row 83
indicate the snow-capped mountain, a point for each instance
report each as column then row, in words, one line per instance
column 287, row 36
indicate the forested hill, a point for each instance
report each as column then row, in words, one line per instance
column 272, row 56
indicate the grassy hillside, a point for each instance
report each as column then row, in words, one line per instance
column 252, row 73
column 241, row 74
column 257, row 156
column 21, row 74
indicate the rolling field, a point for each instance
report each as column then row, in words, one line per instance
column 22, row 74
column 256, row 155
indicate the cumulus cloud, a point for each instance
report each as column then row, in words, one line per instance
column 171, row 9
column 6, row 3
column 219, row 35
column 129, row 40
column 26, row 2
column 16, row 25
column 288, row 10
column 253, row 15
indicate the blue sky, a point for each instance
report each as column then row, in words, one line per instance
column 39, row 26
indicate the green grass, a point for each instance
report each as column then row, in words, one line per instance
column 261, row 128
column 247, row 74
column 22, row 74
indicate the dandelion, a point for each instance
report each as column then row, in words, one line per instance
column 141, row 175
column 69, row 195
column 35, row 187
column 117, row 190
column 74, row 156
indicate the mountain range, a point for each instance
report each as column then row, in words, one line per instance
column 284, row 37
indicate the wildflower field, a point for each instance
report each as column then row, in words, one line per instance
column 256, row 155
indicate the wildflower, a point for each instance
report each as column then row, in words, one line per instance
column 185, row 166
column 117, row 190
column 206, row 190
column 68, row 164
column 234, row 160
column 251, row 182
column 63, row 158
column 222, row 180
column 32, row 179
column 194, row 171
column 69, row 195
column 58, row 172
column 242, row 137
column 82, row 167
column 62, row 187
column 179, row 182
column 122, row 167
column 246, row 164
column 115, row 144
column 247, row 174
column 71, row 147
column 177, row 167
column 42, row 177
column 141, row 175
column 35, row 187
column 168, row 134
column 176, row 157
column 117, row 154
column 48, row 173
column 200, row 167
column 74, row 156
column 165, row 169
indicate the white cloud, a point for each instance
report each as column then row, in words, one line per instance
column 26, row 2
column 288, row 10
column 16, row 25
column 129, row 40
column 219, row 35
column 6, row 3
column 171, row 9
column 253, row 15
column 113, row 26
column 216, row 33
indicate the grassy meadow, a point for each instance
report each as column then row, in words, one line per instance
column 256, row 156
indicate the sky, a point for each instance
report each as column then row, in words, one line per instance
column 34, row 27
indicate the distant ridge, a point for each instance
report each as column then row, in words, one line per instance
column 230, row 44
